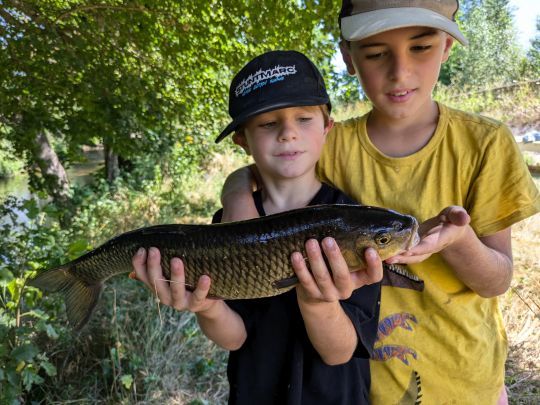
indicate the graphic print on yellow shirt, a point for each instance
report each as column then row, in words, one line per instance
column 445, row 345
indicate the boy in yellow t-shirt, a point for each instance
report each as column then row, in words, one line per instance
column 446, row 344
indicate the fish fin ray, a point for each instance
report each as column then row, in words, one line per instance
column 80, row 298
column 53, row 280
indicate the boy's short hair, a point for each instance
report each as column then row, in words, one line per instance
column 360, row 19
column 271, row 81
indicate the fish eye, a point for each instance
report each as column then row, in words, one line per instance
column 382, row 238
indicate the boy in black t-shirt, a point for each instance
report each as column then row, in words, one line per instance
column 310, row 344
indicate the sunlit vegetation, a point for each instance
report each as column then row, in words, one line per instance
column 134, row 80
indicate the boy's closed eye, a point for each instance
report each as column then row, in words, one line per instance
column 267, row 124
column 376, row 55
column 420, row 48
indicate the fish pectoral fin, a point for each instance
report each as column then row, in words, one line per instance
column 285, row 283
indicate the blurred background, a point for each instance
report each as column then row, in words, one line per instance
column 108, row 114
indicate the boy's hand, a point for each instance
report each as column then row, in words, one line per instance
column 436, row 234
column 173, row 293
column 236, row 196
column 337, row 283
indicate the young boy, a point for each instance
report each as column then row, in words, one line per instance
column 311, row 344
column 446, row 344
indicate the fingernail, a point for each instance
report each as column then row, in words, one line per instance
column 330, row 243
column 140, row 252
column 371, row 252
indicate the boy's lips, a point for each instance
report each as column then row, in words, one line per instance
column 400, row 95
column 289, row 155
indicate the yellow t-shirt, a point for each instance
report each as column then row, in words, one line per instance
column 446, row 344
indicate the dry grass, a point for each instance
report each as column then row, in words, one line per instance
column 521, row 312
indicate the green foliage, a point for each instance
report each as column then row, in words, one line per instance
column 493, row 54
column 24, row 316
column 534, row 52
column 139, row 75
column 9, row 165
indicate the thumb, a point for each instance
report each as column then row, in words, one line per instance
column 455, row 215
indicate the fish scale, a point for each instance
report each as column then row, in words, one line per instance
column 245, row 259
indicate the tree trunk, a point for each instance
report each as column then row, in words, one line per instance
column 112, row 170
column 53, row 173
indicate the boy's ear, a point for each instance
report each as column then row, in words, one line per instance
column 328, row 127
column 449, row 41
column 240, row 139
column 344, row 47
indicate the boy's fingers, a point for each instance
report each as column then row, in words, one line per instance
column 374, row 266
column 340, row 270
column 139, row 265
column 201, row 292
column 304, row 276
column 177, row 285
column 319, row 269
column 157, row 281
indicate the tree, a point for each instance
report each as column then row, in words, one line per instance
column 133, row 74
column 493, row 55
column 534, row 52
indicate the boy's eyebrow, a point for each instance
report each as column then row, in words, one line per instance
column 428, row 33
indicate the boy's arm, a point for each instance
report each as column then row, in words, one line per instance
column 236, row 197
column 217, row 320
column 482, row 264
column 329, row 328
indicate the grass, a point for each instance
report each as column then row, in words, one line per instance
column 521, row 312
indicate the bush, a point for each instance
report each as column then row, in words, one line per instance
column 26, row 318
column 9, row 165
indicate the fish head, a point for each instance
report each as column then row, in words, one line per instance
column 386, row 231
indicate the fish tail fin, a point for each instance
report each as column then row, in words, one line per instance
column 80, row 297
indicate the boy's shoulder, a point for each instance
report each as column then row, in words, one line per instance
column 474, row 122
column 450, row 114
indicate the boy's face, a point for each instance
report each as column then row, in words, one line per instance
column 398, row 69
column 285, row 143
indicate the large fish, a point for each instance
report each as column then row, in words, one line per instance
column 244, row 259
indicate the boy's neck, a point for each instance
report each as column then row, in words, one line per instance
column 288, row 194
column 402, row 136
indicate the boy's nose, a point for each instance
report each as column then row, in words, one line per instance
column 400, row 67
column 287, row 133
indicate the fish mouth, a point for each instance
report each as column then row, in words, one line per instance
column 415, row 238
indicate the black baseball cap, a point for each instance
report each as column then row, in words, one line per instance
column 271, row 81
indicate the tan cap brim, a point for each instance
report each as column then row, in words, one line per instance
column 363, row 25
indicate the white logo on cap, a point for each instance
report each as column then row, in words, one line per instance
column 260, row 78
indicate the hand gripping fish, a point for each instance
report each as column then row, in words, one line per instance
column 244, row 259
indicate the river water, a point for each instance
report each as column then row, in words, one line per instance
column 80, row 173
